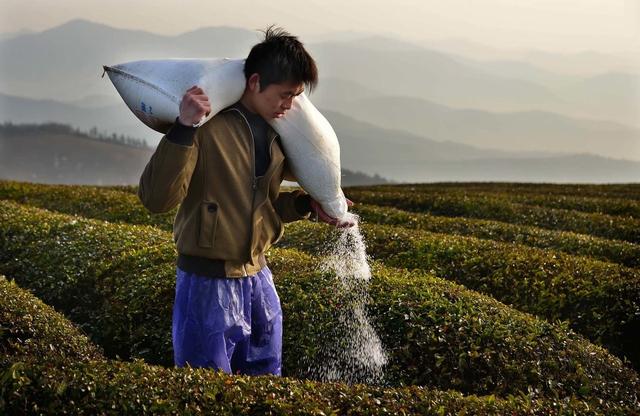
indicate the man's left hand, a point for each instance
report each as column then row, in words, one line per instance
column 324, row 217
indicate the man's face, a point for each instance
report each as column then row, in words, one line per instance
column 275, row 100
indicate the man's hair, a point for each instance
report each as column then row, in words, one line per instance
column 281, row 57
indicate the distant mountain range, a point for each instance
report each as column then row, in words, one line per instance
column 396, row 106
column 525, row 131
column 52, row 153
column 364, row 146
column 392, row 67
column 49, row 155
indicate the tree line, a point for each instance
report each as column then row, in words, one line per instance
column 8, row 128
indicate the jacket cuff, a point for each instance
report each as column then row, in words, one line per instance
column 286, row 206
column 181, row 134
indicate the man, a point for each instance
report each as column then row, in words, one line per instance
column 226, row 174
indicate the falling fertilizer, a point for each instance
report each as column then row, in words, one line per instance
column 354, row 353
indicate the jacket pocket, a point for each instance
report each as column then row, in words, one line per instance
column 208, row 224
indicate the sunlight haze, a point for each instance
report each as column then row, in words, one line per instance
column 550, row 25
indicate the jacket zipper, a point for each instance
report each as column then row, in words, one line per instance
column 254, row 184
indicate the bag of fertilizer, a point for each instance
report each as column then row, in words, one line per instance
column 153, row 89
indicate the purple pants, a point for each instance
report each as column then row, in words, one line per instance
column 232, row 324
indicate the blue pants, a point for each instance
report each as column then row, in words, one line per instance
column 232, row 324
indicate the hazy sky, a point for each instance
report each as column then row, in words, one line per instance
column 554, row 25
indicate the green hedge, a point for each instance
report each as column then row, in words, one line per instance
column 492, row 208
column 30, row 328
column 48, row 366
column 611, row 205
column 113, row 204
column 121, row 204
column 587, row 293
column 629, row 191
column 600, row 300
column 622, row 252
column 438, row 334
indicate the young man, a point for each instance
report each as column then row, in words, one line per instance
column 226, row 174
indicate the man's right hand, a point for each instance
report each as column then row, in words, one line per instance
column 324, row 217
column 194, row 105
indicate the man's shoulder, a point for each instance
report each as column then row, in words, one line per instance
column 222, row 117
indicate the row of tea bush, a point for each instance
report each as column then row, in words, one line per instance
column 492, row 208
column 610, row 205
column 116, row 203
column 616, row 251
column 600, row 300
column 48, row 366
column 117, row 282
column 629, row 191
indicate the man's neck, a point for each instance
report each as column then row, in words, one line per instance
column 245, row 102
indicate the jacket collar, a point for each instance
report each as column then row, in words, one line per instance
column 271, row 133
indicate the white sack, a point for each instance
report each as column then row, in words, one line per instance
column 153, row 89
column 313, row 151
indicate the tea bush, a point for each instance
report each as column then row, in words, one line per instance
column 48, row 366
column 438, row 334
column 616, row 251
column 120, row 204
column 629, row 191
column 593, row 296
column 612, row 204
column 600, row 300
column 492, row 208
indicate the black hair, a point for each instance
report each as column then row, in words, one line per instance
column 281, row 57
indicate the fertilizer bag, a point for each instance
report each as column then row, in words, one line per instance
column 152, row 89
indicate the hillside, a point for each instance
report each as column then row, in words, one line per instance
column 57, row 153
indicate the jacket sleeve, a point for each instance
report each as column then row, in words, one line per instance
column 165, row 179
column 294, row 205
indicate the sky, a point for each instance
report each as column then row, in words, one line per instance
column 611, row 26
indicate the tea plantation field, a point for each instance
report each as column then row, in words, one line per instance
column 489, row 298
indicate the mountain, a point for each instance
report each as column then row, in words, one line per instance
column 47, row 154
column 114, row 118
column 65, row 63
column 365, row 147
column 395, row 145
column 44, row 156
column 582, row 168
column 513, row 131
column 408, row 158
column 9, row 35
column 582, row 63
column 53, row 153
column 412, row 105
column 499, row 86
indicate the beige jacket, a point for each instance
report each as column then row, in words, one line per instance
column 225, row 213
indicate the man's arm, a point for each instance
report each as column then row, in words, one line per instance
column 294, row 205
column 165, row 179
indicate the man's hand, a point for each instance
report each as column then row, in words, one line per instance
column 194, row 105
column 324, row 217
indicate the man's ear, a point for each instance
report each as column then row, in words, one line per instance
column 254, row 82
